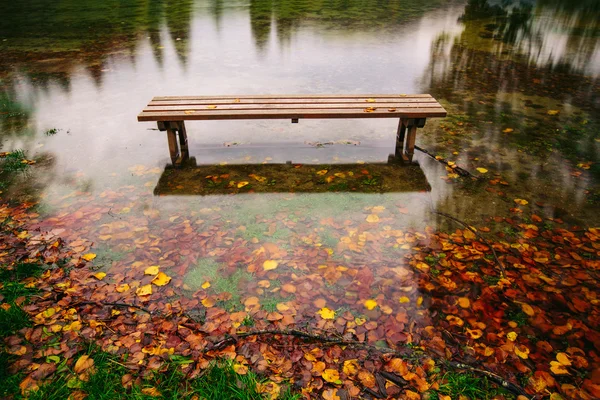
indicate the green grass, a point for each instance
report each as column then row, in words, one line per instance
column 12, row 162
column 208, row 269
column 219, row 381
column 458, row 384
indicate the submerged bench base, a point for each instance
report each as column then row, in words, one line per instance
column 178, row 141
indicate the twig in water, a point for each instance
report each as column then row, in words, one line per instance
column 459, row 170
column 498, row 262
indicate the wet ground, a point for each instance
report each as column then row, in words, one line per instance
column 316, row 199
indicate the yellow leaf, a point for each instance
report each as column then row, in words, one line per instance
column 88, row 256
column 99, row 275
column 563, row 358
column 340, row 174
column 240, row 369
column 508, row 130
column 322, row 172
column 49, row 312
column 153, row 270
column 350, row 367
column 329, row 179
column 370, row 304
column 558, row 369
column 370, row 109
column 391, row 109
column 188, row 112
column 144, row 290
column 326, row 313
column 23, row 235
column 373, row 218
column 522, row 351
column 270, row 264
column 211, row 107
column 206, row 285
column 482, row 170
column 521, row 202
column 330, row 375
column 370, row 100
column 236, row 100
column 161, row 279
column 242, row 184
column 359, row 321
column 553, row 112
column 512, row 336
column 122, row 288
column 475, row 333
column 404, row 299
column 527, row 309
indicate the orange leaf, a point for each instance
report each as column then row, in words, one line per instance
column 367, row 378
column 83, row 364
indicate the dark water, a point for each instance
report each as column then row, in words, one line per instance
column 519, row 81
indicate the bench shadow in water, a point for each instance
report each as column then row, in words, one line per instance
column 203, row 180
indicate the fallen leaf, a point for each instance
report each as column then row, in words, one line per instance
column 205, row 285
column 558, row 369
column 88, row 256
column 563, row 358
column 99, row 275
column 522, row 351
column 151, row 391
column 553, row 112
column 512, row 336
column 326, row 313
column 482, row 170
column 122, row 288
column 161, row 279
column 144, row 290
column 370, row 109
column 242, row 184
column 370, row 100
column 508, row 130
column 373, row 218
column 152, row 270
column 331, row 375
column 322, row 172
column 270, row 265
column 350, row 367
column 211, row 107
column 521, row 202
column 83, row 363
column 370, row 304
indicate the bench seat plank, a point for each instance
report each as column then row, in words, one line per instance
column 295, row 96
column 222, row 107
column 291, row 114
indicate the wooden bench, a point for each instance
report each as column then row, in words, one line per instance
column 171, row 111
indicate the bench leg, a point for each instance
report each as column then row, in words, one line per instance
column 173, row 145
column 406, row 137
column 183, row 141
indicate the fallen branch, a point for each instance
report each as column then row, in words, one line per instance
column 459, row 170
column 101, row 304
column 511, row 387
column 484, row 240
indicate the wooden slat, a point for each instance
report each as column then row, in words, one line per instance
column 305, row 96
column 292, row 113
column 316, row 107
column 291, row 101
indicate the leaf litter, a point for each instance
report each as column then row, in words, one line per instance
column 384, row 311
